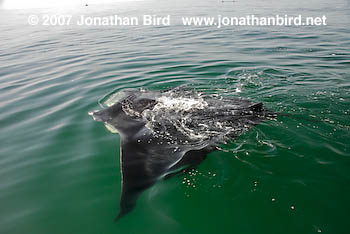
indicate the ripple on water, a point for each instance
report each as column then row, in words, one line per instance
column 59, row 168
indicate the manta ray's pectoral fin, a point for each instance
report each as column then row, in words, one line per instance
column 144, row 161
column 129, row 196
column 189, row 161
column 141, row 172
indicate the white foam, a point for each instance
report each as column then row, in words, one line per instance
column 179, row 104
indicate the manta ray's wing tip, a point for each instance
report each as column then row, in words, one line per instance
column 118, row 217
column 121, row 214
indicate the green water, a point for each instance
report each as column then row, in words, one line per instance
column 59, row 169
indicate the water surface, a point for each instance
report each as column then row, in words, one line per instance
column 59, row 169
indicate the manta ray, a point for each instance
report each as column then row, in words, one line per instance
column 163, row 133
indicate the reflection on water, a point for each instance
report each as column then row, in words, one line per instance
column 60, row 170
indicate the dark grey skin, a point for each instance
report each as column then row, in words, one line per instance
column 142, row 163
column 146, row 158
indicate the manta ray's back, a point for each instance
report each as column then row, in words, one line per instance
column 164, row 132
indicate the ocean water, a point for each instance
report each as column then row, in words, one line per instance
column 59, row 169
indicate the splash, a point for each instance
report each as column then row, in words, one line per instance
column 186, row 117
column 179, row 104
